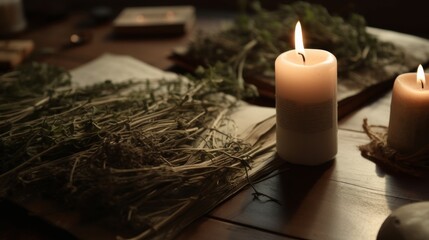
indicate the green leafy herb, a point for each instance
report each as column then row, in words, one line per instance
column 272, row 33
column 32, row 80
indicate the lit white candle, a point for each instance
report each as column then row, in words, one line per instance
column 409, row 112
column 306, row 104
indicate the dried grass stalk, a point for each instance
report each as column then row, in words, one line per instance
column 152, row 160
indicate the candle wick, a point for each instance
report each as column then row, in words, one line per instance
column 303, row 57
column 421, row 82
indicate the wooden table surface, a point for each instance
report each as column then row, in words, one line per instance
column 346, row 199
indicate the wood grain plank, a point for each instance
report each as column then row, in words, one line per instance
column 213, row 229
column 346, row 199
column 350, row 167
column 204, row 228
column 319, row 210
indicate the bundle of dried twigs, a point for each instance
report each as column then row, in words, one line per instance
column 153, row 159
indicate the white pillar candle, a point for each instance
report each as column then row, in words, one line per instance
column 306, row 104
column 409, row 113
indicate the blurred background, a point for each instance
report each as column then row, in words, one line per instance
column 404, row 16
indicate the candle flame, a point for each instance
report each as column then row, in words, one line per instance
column 299, row 45
column 421, row 76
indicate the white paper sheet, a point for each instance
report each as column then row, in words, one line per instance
column 119, row 68
column 116, row 68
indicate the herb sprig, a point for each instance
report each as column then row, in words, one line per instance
column 272, row 31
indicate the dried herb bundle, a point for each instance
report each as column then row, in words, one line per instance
column 269, row 33
column 153, row 159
